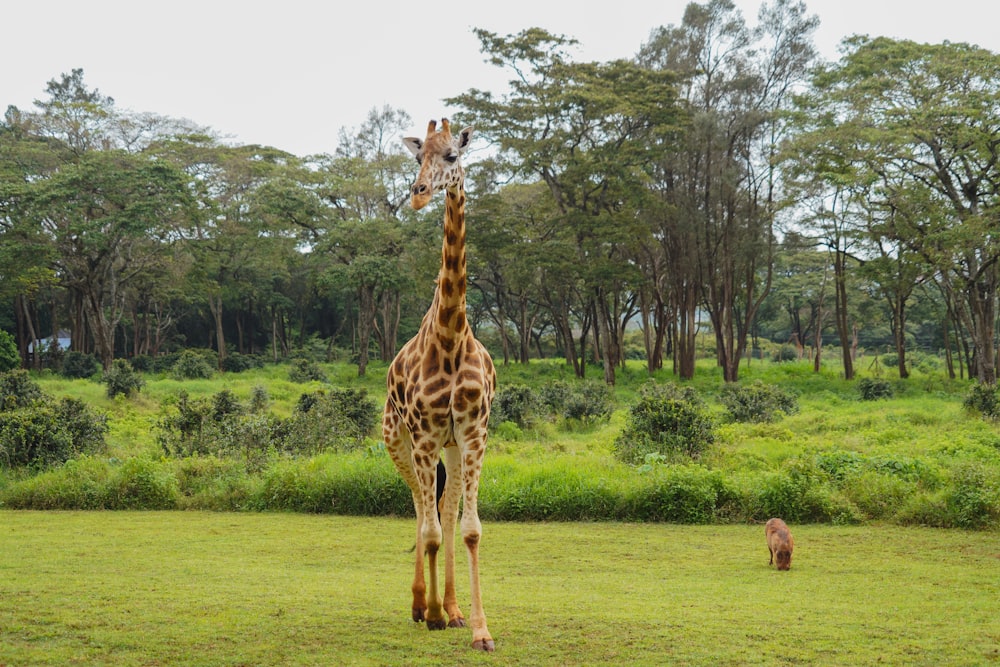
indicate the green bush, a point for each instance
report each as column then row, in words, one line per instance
column 337, row 419
column 121, row 379
column 590, row 403
column 514, row 403
column 665, row 420
column 18, row 390
column 676, row 494
column 757, row 402
column 140, row 484
column 79, row 365
column 974, row 496
column 355, row 484
column 33, row 436
column 142, row 363
column 982, row 399
column 873, row 389
column 238, row 363
column 192, row 365
column 9, row 356
column 304, row 370
column 785, row 353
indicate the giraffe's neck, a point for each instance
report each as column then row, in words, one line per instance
column 449, row 299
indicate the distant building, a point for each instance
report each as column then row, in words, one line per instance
column 63, row 338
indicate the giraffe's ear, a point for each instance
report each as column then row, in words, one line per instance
column 464, row 138
column 414, row 145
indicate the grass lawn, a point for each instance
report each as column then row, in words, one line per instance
column 195, row 588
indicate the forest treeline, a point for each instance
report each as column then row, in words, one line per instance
column 724, row 181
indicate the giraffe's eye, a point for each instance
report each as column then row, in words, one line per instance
column 451, row 157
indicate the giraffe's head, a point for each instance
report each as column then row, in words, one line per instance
column 439, row 157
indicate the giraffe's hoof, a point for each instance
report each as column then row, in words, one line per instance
column 458, row 622
column 484, row 645
column 436, row 625
column 418, row 615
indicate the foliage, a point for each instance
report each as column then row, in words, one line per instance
column 9, row 356
column 191, row 365
column 873, row 389
column 44, row 433
column 305, row 370
column 122, row 380
column 983, row 399
column 238, row 363
column 18, row 390
column 337, row 419
column 514, row 403
column 666, row 420
column 80, row 365
column 757, row 402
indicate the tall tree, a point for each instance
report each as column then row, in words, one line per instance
column 586, row 130
column 722, row 185
column 924, row 122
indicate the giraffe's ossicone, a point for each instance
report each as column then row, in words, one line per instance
column 440, row 387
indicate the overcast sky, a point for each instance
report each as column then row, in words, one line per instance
column 291, row 73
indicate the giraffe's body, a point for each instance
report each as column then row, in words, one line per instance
column 440, row 386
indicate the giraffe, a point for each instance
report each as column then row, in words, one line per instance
column 440, row 387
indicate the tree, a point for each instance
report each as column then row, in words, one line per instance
column 109, row 215
column 922, row 122
column 586, row 130
column 722, row 184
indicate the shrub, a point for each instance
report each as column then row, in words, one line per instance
column 237, row 363
column 872, row 389
column 140, row 484
column 192, row 365
column 513, row 403
column 182, row 433
column 785, row 353
column 10, row 358
column 982, row 399
column 757, row 402
column 79, row 365
column 591, row 403
column 304, row 370
column 121, row 379
column 337, row 419
column 18, row 390
column 33, row 436
column 259, row 399
column 974, row 498
column 665, row 420
column 142, row 363
column 677, row 494
column 39, row 432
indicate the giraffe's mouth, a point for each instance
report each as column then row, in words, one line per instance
column 420, row 194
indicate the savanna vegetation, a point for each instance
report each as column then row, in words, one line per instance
column 722, row 280
column 787, row 441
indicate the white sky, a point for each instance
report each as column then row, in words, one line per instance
column 291, row 73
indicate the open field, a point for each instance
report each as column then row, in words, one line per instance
column 195, row 588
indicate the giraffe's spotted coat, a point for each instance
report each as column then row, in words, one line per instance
column 440, row 387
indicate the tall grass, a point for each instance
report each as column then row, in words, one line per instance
column 918, row 458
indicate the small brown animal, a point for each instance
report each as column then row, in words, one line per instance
column 779, row 543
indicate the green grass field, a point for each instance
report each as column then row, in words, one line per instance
column 196, row 588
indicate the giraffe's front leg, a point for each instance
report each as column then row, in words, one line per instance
column 425, row 458
column 472, row 530
column 449, row 518
column 400, row 448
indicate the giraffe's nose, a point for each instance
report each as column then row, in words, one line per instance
column 419, row 188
